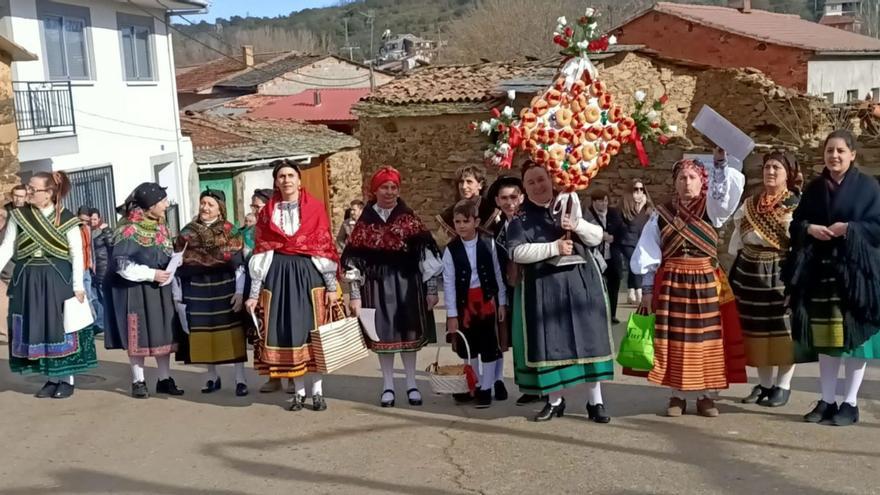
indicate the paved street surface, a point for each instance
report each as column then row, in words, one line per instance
column 102, row 441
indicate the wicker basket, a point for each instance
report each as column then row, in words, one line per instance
column 449, row 379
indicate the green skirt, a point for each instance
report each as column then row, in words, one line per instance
column 544, row 380
column 84, row 359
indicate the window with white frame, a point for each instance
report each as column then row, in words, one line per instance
column 66, row 46
column 136, row 42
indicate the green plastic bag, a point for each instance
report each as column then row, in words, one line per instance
column 637, row 347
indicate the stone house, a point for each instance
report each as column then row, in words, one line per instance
column 9, row 167
column 419, row 123
column 233, row 155
column 794, row 52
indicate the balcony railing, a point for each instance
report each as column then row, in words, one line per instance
column 43, row 108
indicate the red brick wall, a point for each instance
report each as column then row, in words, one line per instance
column 677, row 38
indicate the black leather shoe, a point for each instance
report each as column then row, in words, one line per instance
column 847, row 414
column 387, row 403
column 139, row 390
column 63, row 391
column 167, row 386
column 500, row 390
column 318, row 403
column 527, row 399
column 484, row 399
column 597, row 414
column 409, row 396
column 241, row 389
column 463, row 398
column 822, row 412
column 778, row 397
column 298, row 404
column 550, row 411
column 47, row 391
column 758, row 394
column 212, row 386
column 615, row 321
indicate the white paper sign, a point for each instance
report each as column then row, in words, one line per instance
column 173, row 265
column 77, row 315
column 720, row 131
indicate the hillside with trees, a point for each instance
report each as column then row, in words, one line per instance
column 468, row 30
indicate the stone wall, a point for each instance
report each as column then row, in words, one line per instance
column 428, row 150
column 9, row 166
column 344, row 169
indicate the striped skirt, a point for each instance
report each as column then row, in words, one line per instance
column 216, row 334
column 760, row 296
column 688, row 338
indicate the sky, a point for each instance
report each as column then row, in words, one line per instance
column 257, row 8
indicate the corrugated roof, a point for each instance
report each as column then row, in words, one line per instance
column 205, row 76
column 770, row 27
column 335, row 105
column 227, row 140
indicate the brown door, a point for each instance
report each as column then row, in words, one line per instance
column 314, row 180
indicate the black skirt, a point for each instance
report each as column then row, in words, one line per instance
column 403, row 321
column 216, row 334
column 140, row 318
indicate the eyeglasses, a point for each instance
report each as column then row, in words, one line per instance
column 31, row 190
column 639, row 189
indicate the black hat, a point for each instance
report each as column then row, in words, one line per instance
column 144, row 197
column 217, row 194
column 504, row 181
column 264, row 194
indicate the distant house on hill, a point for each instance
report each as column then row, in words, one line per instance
column 403, row 52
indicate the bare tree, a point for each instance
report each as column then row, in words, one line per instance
column 263, row 39
column 869, row 14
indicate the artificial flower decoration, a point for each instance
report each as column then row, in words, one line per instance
column 649, row 123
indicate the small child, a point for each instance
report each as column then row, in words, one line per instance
column 475, row 297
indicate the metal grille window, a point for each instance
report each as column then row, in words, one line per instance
column 137, row 49
column 93, row 187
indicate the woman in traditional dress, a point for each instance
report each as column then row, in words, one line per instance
column 833, row 276
column 637, row 209
column 760, row 241
column 697, row 340
column 44, row 240
column 393, row 262
column 141, row 317
column 293, row 272
column 210, row 285
column 561, row 316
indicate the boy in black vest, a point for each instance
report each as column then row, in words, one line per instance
column 476, row 297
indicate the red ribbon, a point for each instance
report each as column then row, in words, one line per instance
column 640, row 147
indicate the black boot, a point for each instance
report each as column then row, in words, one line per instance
column 597, row 413
column 167, row 386
column 500, row 390
column 298, row 404
column 139, row 390
column 462, row 398
column 484, row 398
column 318, row 403
column 241, row 389
column 822, row 412
column 212, row 386
column 63, row 391
column 758, row 395
column 47, row 391
column 778, row 397
column 550, row 411
column 847, row 414
column 527, row 399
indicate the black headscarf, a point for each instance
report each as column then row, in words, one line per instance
column 218, row 196
column 264, row 194
column 144, row 197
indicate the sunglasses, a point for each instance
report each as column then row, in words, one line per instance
column 639, row 189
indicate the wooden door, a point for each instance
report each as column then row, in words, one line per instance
column 314, row 180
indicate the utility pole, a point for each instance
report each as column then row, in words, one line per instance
column 348, row 46
column 371, row 17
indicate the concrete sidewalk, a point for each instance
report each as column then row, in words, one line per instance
column 102, row 441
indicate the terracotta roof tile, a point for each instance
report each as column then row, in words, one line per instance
column 207, row 75
column 335, row 105
column 780, row 29
column 230, row 140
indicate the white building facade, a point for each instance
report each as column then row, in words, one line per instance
column 100, row 103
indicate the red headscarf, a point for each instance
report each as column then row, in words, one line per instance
column 383, row 175
column 694, row 208
column 312, row 239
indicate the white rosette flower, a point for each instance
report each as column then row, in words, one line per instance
column 640, row 96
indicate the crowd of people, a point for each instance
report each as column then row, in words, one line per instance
column 516, row 273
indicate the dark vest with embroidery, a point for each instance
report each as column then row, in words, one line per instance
column 39, row 237
column 485, row 270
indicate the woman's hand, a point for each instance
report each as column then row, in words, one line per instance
column 839, row 229
column 502, row 314
column 161, row 276
column 645, row 305
column 566, row 246
column 820, row 232
column 355, row 306
column 80, row 296
column 432, row 300
column 250, row 305
column 236, row 302
column 330, row 298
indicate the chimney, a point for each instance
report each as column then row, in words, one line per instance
column 744, row 6
column 317, row 97
column 247, row 55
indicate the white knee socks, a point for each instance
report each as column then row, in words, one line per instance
column 317, row 383
column 499, row 369
column 386, row 364
column 69, row 379
column 299, row 384
column 784, row 375
column 555, row 398
column 765, row 376
column 164, row 365
column 212, row 372
column 137, row 368
column 829, row 367
column 487, row 377
column 594, row 393
column 409, row 366
column 854, row 369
